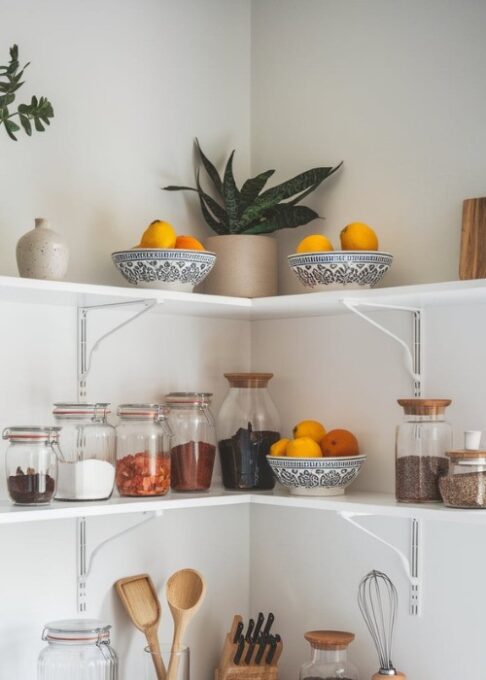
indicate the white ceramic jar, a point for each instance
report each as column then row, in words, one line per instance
column 42, row 253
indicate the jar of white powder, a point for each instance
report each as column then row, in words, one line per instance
column 86, row 468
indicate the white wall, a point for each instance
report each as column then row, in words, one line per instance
column 395, row 89
column 132, row 83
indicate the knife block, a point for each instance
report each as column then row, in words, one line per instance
column 227, row 670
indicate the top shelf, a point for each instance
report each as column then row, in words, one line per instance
column 17, row 290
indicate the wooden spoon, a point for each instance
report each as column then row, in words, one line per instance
column 185, row 591
column 139, row 597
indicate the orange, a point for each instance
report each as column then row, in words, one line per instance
column 158, row 234
column 358, row 236
column 314, row 243
column 339, row 443
column 279, row 448
column 309, row 428
column 188, row 243
column 303, row 447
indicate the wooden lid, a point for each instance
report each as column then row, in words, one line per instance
column 424, row 407
column 248, row 379
column 329, row 639
column 466, row 454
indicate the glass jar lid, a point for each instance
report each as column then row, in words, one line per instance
column 26, row 433
column 467, row 456
column 424, row 407
column 248, row 379
column 182, row 399
column 142, row 411
column 81, row 631
column 329, row 639
column 67, row 409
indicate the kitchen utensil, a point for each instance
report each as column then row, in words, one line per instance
column 251, row 624
column 238, row 632
column 261, row 650
column 139, row 597
column 377, row 600
column 472, row 263
column 258, row 626
column 185, row 592
column 268, row 625
column 239, row 650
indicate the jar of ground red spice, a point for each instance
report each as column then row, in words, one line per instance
column 143, row 442
column 194, row 442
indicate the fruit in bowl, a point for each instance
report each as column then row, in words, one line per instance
column 316, row 463
column 359, row 263
column 164, row 260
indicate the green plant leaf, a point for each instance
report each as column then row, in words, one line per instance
column 6, row 99
column 252, row 187
column 283, row 217
column 210, row 219
column 217, row 210
column 231, row 195
column 11, row 127
column 25, row 122
column 210, row 169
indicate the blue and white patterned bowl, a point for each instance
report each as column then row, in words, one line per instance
column 316, row 476
column 167, row 269
column 337, row 269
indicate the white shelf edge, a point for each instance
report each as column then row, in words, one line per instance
column 363, row 504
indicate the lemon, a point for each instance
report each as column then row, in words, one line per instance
column 314, row 243
column 158, row 234
column 310, row 428
column 358, row 236
column 303, row 447
column 279, row 448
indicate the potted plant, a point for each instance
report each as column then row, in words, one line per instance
column 242, row 218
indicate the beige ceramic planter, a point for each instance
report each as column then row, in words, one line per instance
column 246, row 266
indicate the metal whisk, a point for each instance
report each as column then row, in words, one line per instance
column 378, row 600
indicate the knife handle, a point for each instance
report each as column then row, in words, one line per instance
column 268, row 625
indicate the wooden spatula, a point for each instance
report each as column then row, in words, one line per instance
column 473, row 239
column 139, row 597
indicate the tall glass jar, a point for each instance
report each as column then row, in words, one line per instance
column 86, row 470
column 329, row 656
column 143, row 440
column 247, row 426
column 194, row 442
column 421, row 444
column 78, row 650
column 31, row 464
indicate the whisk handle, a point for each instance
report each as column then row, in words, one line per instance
column 397, row 676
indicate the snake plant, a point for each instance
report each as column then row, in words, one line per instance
column 37, row 112
column 250, row 210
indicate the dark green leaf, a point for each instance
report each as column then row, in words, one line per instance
column 174, row 188
column 25, row 122
column 11, row 127
column 282, row 217
column 231, row 195
column 38, row 125
column 252, row 187
column 210, row 169
column 7, row 99
column 218, row 211
column 210, row 219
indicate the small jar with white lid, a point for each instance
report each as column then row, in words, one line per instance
column 329, row 656
column 86, row 470
column 143, row 440
column 77, row 649
column 31, row 464
column 465, row 484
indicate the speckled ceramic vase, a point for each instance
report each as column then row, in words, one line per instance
column 42, row 253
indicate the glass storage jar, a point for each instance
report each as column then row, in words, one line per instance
column 329, row 656
column 78, row 650
column 247, row 426
column 143, row 450
column 421, row 444
column 464, row 486
column 194, row 441
column 86, row 468
column 31, row 464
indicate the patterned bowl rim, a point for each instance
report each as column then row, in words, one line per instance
column 166, row 251
column 331, row 253
column 304, row 461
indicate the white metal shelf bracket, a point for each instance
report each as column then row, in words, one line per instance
column 85, row 564
column 413, row 353
column 84, row 359
column 412, row 565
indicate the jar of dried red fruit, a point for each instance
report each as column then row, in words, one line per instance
column 143, row 440
column 194, row 443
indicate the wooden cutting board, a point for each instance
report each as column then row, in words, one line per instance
column 472, row 263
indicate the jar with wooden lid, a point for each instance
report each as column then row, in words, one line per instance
column 329, row 656
column 465, row 484
column 247, row 426
column 421, row 444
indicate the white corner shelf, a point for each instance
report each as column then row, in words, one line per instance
column 357, row 503
column 17, row 290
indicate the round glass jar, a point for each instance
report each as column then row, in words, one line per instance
column 421, row 444
column 86, row 467
column 31, row 464
column 464, row 486
column 247, row 426
column 329, row 656
column 194, row 441
column 78, row 649
column 143, row 450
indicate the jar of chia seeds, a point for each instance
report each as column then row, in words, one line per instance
column 247, row 426
column 422, row 441
column 329, row 656
column 465, row 484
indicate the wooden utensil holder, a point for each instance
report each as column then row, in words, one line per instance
column 228, row 670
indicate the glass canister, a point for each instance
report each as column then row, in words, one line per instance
column 31, row 464
column 86, row 468
column 421, row 444
column 182, row 662
column 194, row 441
column 143, row 440
column 78, row 650
column 464, row 486
column 329, row 656
column 247, row 426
